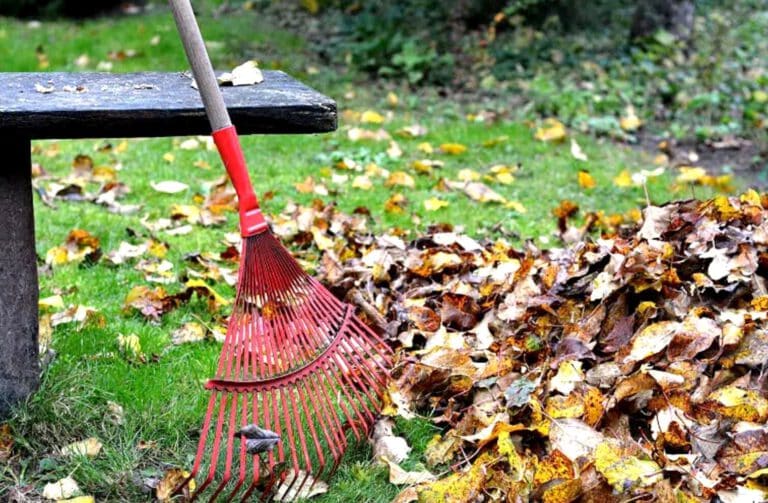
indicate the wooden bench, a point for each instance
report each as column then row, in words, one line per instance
column 95, row 105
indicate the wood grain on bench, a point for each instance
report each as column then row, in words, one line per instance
column 109, row 105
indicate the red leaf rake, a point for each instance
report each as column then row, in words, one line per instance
column 298, row 371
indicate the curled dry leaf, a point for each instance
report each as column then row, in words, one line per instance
column 400, row 477
column 170, row 481
column 245, row 74
column 299, row 486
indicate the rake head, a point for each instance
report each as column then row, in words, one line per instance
column 296, row 362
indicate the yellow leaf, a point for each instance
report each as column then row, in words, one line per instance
column 554, row 466
column 434, row 204
column 400, row 178
column 507, row 448
column 569, row 374
column 54, row 301
column 623, row 471
column 89, row 447
column 79, row 499
column 453, row 148
column 425, row 165
column 515, row 206
column 623, row 179
column 505, row 178
column 751, row 197
column 199, row 283
column 395, row 204
column 57, row 255
column 691, row 174
column 440, row 451
column 168, row 157
column 586, row 181
column 392, row 99
column 129, row 344
column 740, row 404
column 630, row 121
column 371, row 117
column 562, row 491
column 460, row 486
column 322, row 241
column 552, row 130
column 425, row 147
column 362, row 182
column 652, row 339
column 759, row 96
column 468, row 175
column 170, row 481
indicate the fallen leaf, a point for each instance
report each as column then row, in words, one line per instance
column 434, row 204
column 90, row 447
column 401, row 179
column 651, row 340
column 129, row 344
column 299, row 486
column 453, row 148
column 577, row 153
column 170, row 481
column 169, row 186
column 188, row 332
column 552, row 130
column 245, row 74
column 6, row 442
column 61, row 489
column 400, row 477
column 624, row 471
column 630, row 121
column 388, row 445
column 586, row 181
column 371, row 117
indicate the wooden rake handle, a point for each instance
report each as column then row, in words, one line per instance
column 224, row 135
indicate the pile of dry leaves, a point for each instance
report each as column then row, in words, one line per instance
column 630, row 366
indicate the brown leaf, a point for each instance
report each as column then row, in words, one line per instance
column 459, row 311
column 424, row 318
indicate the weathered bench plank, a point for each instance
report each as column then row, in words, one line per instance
column 98, row 105
column 19, row 368
column 109, row 105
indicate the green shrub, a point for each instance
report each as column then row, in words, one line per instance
column 408, row 39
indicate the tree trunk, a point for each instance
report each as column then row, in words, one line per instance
column 673, row 16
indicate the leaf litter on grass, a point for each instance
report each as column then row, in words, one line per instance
column 615, row 365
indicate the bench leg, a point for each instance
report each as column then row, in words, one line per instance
column 19, row 366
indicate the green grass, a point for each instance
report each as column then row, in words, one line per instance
column 163, row 399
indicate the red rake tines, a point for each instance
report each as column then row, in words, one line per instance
column 295, row 361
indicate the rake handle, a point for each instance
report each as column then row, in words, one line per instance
column 224, row 135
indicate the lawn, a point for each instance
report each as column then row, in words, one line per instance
column 162, row 398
